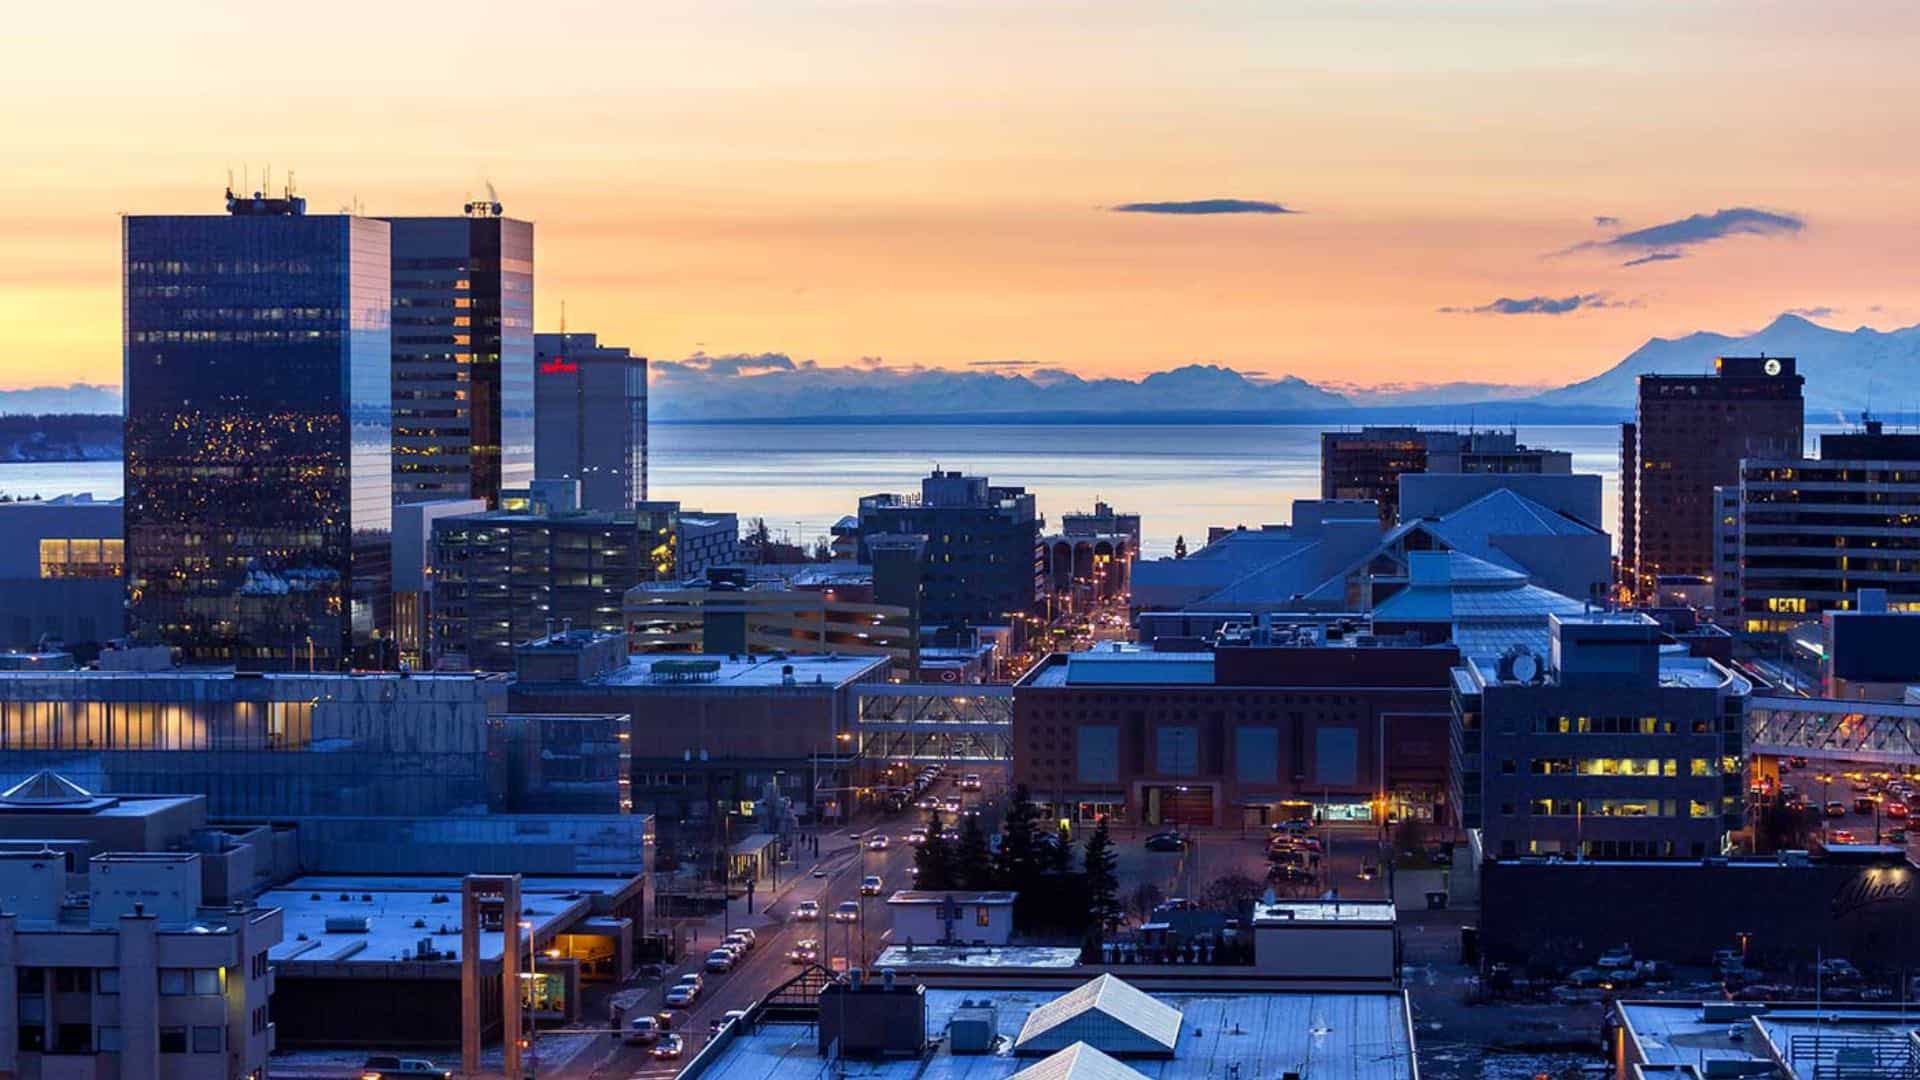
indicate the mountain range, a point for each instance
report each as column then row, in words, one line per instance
column 1846, row 371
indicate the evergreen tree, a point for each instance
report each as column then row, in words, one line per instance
column 934, row 862
column 1059, row 856
column 1180, row 546
column 1103, row 879
column 1018, row 864
column 972, row 862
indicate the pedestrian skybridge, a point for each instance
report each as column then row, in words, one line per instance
column 1876, row 732
column 935, row 722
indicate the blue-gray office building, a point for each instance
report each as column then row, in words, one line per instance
column 462, row 355
column 258, row 495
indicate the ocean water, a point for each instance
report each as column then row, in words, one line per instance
column 803, row 477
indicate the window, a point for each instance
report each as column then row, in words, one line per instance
column 106, row 1039
column 982, row 916
column 173, row 1040
column 175, row 982
column 207, row 1040
column 1507, row 766
column 72, row 980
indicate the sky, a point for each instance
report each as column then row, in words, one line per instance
column 1351, row 191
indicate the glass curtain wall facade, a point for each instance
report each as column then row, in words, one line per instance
column 258, row 484
column 273, row 745
column 462, row 357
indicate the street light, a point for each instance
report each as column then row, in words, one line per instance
column 532, row 976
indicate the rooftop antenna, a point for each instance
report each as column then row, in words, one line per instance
column 563, row 322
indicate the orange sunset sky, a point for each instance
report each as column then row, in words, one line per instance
column 934, row 182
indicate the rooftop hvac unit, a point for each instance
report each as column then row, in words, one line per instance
column 973, row 1028
column 347, row 924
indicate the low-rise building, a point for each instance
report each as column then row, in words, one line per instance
column 951, row 918
column 1327, row 942
column 830, row 609
column 1104, row 1029
column 1788, row 1040
column 1282, row 722
column 140, row 980
column 1604, row 747
column 714, row 737
column 62, row 572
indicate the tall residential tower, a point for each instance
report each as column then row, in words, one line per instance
column 462, row 355
column 259, row 496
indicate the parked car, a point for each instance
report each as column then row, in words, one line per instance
column 682, row 995
column 1166, row 841
column 1836, row 808
column 389, row 1067
column 1897, row 810
column 804, row 951
column 668, row 1048
column 1838, row 969
column 1618, row 957
column 807, row 910
column 721, row 959
column 870, row 885
column 847, row 911
column 1586, row 977
column 746, row 934
column 641, row 1031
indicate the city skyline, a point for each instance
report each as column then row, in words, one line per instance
column 1396, row 196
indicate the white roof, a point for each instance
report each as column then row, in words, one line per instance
column 1077, row 1062
column 1108, row 1013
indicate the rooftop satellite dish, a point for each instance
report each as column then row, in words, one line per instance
column 1526, row 668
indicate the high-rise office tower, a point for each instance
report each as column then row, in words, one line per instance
column 259, row 498
column 1368, row 464
column 591, row 401
column 1689, row 435
column 980, row 553
column 462, row 355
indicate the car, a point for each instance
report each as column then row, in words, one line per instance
column 1299, row 875
column 1865, row 806
column 665, row 1018
column 878, row 843
column 668, row 1048
column 870, row 885
column 819, row 871
column 949, row 834
column 389, row 1067
column 847, row 911
column 1368, row 872
column 746, row 934
column 682, row 995
column 951, row 806
column 856, row 834
column 1615, row 958
column 970, row 782
column 804, row 951
column 918, row 836
column 1842, row 836
column 1586, row 977
column 731, row 1015
column 1293, row 825
column 721, row 959
column 1838, row 968
column 807, row 910
column 641, row 1031
column 1897, row 810
column 1836, row 808
column 1798, row 762
column 1166, row 841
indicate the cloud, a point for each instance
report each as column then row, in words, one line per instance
column 1003, row 363
column 1654, row 257
column 1204, row 206
column 1704, row 228
column 1820, row 312
column 737, row 363
column 1540, row 305
column 1605, row 221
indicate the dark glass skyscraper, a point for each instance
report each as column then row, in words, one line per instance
column 259, row 499
column 462, row 355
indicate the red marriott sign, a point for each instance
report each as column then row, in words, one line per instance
column 557, row 365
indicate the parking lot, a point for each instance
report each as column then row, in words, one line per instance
column 1845, row 802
